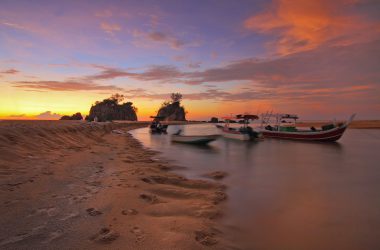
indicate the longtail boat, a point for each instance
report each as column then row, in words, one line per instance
column 328, row 133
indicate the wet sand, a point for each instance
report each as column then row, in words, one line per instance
column 66, row 185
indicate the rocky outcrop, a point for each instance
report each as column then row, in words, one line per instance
column 110, row 109
column 76, row 116
column 172, row 112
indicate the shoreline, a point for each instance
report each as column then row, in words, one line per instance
column 356, row 124
column 78, row 185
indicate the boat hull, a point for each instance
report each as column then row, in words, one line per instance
column 236, row 135
column 321, row 136
column 194, row 139
column 158, row 130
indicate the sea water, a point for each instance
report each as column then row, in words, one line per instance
column 288, row 194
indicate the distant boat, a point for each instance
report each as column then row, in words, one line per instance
column 244, row 133
column 156, row 126
column 193, row 139
column 328, row 133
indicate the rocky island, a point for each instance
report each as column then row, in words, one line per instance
column 112, row 109
column 172, row 110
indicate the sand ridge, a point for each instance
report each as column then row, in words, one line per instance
column 78, row 185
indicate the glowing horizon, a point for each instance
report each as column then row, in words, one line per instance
column 316, row 58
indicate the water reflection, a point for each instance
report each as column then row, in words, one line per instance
column 287, row 194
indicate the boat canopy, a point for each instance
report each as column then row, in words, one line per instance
column 247, row 117
column 241, row 117
column 288, row 116
column 228, row 118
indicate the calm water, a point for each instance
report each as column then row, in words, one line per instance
column 290, row 195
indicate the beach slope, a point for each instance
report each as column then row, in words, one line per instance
column 68, row 184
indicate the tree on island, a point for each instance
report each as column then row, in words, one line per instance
column 214, row 120
column 76, row 116
column 176, row 97
column 111, row 109
column 172, row 110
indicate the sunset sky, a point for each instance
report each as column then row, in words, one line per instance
column 317, row 58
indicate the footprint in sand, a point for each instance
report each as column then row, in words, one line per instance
column 219, row 196
column 53, row 236
column 47, row 172
column 93, row 212
column 138, row 233
column 49, row 211
column 23, row 236
column 105, row 235
column 216, row 175
column 129, row 212
column 205, row 238
column 151, row 198
column 92, row 189
column 93, row 183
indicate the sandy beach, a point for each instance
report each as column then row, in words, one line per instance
column 78, row 185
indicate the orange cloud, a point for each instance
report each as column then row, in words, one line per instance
column 302, row 25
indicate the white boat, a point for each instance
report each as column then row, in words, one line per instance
column 193, row 139
column 244, row 133
column 233, row 133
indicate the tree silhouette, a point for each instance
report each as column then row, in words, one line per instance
column 118, row 98
column 176, row 97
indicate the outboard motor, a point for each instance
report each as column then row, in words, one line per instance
column 252, row 133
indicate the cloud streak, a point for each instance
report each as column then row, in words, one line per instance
column 157, row 37
column 110, row 28
column 283, row 94
column 162, row 73
column 326, row 67
column 48, row 115
column 210, row 94
column 10, row 71
column 64, row 86
column 337, row 66
column 12, row 25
